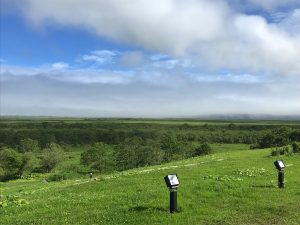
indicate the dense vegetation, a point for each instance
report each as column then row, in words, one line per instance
column 28, row 146
column 84, row 132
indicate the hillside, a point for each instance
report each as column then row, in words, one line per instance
column 228, row 187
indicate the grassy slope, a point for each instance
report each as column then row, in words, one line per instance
column 211, row 192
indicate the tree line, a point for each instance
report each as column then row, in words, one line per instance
column 39, row 147
column 82, row 133
column 134, row 152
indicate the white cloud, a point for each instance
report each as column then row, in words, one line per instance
column 65, row 74
column 209, row 32
column 60, row 65
column 116, row 93
column 229, row 78
column 158, row 57
column 133, row 58
column 101, row 56
column 161, row 61
column 90, row 76
column 172, row 63
column 19, row 71
column 152, row 24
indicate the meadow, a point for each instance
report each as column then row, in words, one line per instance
column 233, row 185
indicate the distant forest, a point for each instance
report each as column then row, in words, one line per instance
column 114, row 132
column 113, row 145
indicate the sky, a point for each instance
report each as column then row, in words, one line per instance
column 149, row 58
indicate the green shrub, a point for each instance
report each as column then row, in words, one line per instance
column 65, row 175
column 286, row 150
column 53, row 154
column 255, row 146
column 10, row 163
column 276, row 138
column 203, row 149
column 11, row 200
column 29, row 163
column 295, row 147
column 58, row 177
column 28, row 145
column 100, row 156
column 275, row 152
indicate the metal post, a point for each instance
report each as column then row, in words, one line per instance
column 281, row 179
column 173, row 200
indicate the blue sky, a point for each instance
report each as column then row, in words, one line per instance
column 149, row 58
column 29, row 46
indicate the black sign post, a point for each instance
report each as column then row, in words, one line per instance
column 172, row 183
column 279, row 164
column 281, row 179
column 173, row 200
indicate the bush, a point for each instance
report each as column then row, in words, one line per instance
column 12, row 200
column 171, row 146
column 57, row 177
column 53, row 154
column 2, row 173
column 255, row 146
column 203, row 149
column 10, row 163
column 295, row 147
column 286, row 150
column 75, row 169
column 28, row 145
column 135, row 152
column 276, row 138
column 295, row 135
column 29, row 163
column 275, row 152
column 148, row 155
column 66, row 172
column 100, row 157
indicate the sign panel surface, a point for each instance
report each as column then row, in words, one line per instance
column 173, row 180
column 281, row 164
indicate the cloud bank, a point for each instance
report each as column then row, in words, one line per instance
column 192, row 57
column 93, row 92
column 214, row 34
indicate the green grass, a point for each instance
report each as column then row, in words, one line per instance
column 229, row 147
column 232, row 186
column 192, row 122
column 196, row 122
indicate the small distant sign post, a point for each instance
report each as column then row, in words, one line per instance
column 172, row 183
column 279, row 164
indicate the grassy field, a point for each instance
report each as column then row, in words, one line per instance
column 191, row 122
column 233, row 186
